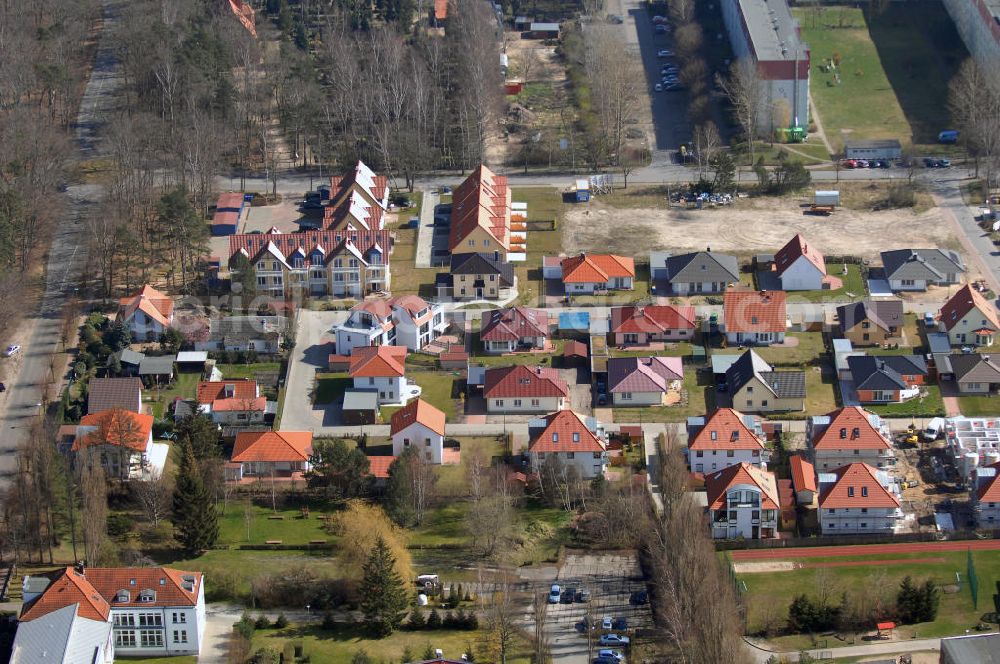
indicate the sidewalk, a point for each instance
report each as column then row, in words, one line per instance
column 425, row 231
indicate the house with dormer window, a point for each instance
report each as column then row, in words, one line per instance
column 969, row 319
column 858, row 498
column 725, row 438
column 743, row 502
column 521, row 389
column 754, row 317
column 849, row 435
column 577, row 442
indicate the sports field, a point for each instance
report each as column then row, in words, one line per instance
column 865, row 572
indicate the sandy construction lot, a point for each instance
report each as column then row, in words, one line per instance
column 751, row 226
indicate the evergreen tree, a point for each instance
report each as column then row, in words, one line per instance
column 416, row 620
column 201, row 434
column 930, row 598
column 384, row 597
column 434, row 620
column 908, row 602
column 196, row 523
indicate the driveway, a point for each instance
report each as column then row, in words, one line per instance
column 425, row 232
column 313, row 342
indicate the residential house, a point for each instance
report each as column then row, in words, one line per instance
column 477, row 276
column 871, row 322
column 587, row 273
column 969, row 319
column 354, row 213
column 418, row 424
column 697, row 273
column 576, row 442
column 513, row 328
column 123, row 441
column 849, row 435
column 755, row 386
column 148, row 313
column 725, row 438
column 361, row 181
column 640, row 325
column 887, row 378
column 381, row 369
column 480, row 214
column 269, row 454
column 645, row 381
column 975, row 373
column 858, row 498
column 404, row 320
column 742, row 502
column 803, row 479
column 521, row 389
column 341, row 263
column 986, row 496
column 231, row 402
column 754, row 317
column 260, row 334
column 916, row 269
column 108, row 393
column 800, row 266
column 90, row 615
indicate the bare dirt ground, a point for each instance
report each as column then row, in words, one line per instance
column 750, row 226
column 760, row 567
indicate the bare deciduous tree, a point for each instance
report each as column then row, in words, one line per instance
column 745, row 89
column 154, row 497
column 94, row 503
column 974, row 102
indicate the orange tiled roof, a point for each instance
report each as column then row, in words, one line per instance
column 420, row 412
column 115, row 424
column 717, row 483
column 522, row 381
column 857, row 485
column 481, row 201
column 990, row 491
column 596, row 268
column 258, row 404
column 803, row 473
column 850, row 428
column 378, row 466
column 731, row 433
column 964, row 301
column 565, row 431
column 272, row 446
column 658, row 318
column 151, row 302
column 378, row 362
column 213, row 390
column 69, row 588
column 754, row 311
column 796, row 248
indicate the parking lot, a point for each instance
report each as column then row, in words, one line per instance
column 611, row 579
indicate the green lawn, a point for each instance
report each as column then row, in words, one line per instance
column 676, row 349
column 979, row 406
column 339, row 645
column 292, row 529
column 769, row 590
column 480, row 358
column 439, row 389
column 854, row 287
column 544, row 204
column 929, row 406
column 899, row 63
column 639, row 196
column 185, row 385
column 330, row 387
column 821, row 391
column 248, row 370
column 810, row 346
column 700, row 398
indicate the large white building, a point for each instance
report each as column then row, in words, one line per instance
column 89, row 615
column 765, row 32
column 406, row 320
column 858, row 499
column 743, row 502
column 849, row 435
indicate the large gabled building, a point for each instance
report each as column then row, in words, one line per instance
column 857, row 498
column 480, row 214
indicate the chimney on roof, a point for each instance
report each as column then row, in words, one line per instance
column 80, row 568
column 708, row 250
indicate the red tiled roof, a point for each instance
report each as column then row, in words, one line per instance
column 413, row 304
column 341, row 184
column 481, row 201
column 513, row 323
column 565, row 431
column 332, row 243
column 803, row 473
column 643, row 374
column 378, row 362
column 522, row 381
column 67, row 589
column 167, row 584
column 719, row 482
column 258, row 404
column 378, row 307
column 116, row 427
column 151, row 302
column 964, row 301
column 209, row 391
column 353, row 212
column 575, row 349
column 596, row 268
column 731, row 433
column 378, row 466
column 420, row 412
column 850, row 428
column 754, row 311
column 651, row 319
column 272, row 446
column 990, row 491
column 857, row 485
column 440, row 9
column 795, row 249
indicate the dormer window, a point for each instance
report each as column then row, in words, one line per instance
column 714, row 435
column 147, row 595
column 735, row 436
column 843, row 432
column 555, row 437
column 864, row 492
column 855, row 433
column 122, row 596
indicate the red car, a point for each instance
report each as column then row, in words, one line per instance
column 849, row 163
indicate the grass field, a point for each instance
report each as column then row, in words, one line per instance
column 929, row 406
column 544, row 204
column 853, row 289
column 979, row 406
column 185, row 385
column 247, row 370
column 291, row 529
column 821, row 391
column 810, row 346
column 701, row 398
column 899, row 62
column 768, row 592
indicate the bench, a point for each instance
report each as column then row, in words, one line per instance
column 317, row 541
column 276, row 517
column 273, row 542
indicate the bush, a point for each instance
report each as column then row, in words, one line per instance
column 245, row 626
column 120, row 525
column 806, row 615
column 434, row 620
column 899, row 196
column 416, row 620
column 262, row 622
column 449, row 621
column 281, row 622
column 917, row 603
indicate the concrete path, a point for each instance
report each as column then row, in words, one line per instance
column 976, row 242
column 425, row 231
column 880, row 648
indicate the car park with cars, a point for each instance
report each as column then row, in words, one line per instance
column 613, row 640
column 615, row 655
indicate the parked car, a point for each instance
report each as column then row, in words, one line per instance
column 3, row 388
column 311, row 204
column 849, row 163
column 639, row 597
column 944, row 163
column 616, row 19
column 604, row 660
column 658, row 87
column 659, row 20
column 444, row 190
column 613, row 640
column 583, row 596
column 933, row 429
column 664, row 53
column 613, row 654
column 607, row 622
column 884, row 163
column 620, row 624
column 861, row 163
column 555, row 594
column 568, row 596
column 12, row 349
column 948, row 136
column 660, row 30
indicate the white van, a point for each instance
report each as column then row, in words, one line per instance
column 555, row 594
column 934, row 428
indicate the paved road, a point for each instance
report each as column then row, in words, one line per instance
column 879, row 648
column 67, row 258
column 425, row 232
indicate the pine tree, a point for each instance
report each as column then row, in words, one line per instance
column 384, row 597
column 930, row 598
column 907, row 602
column 434, row 620
column 416, row 620
column 196, row 523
